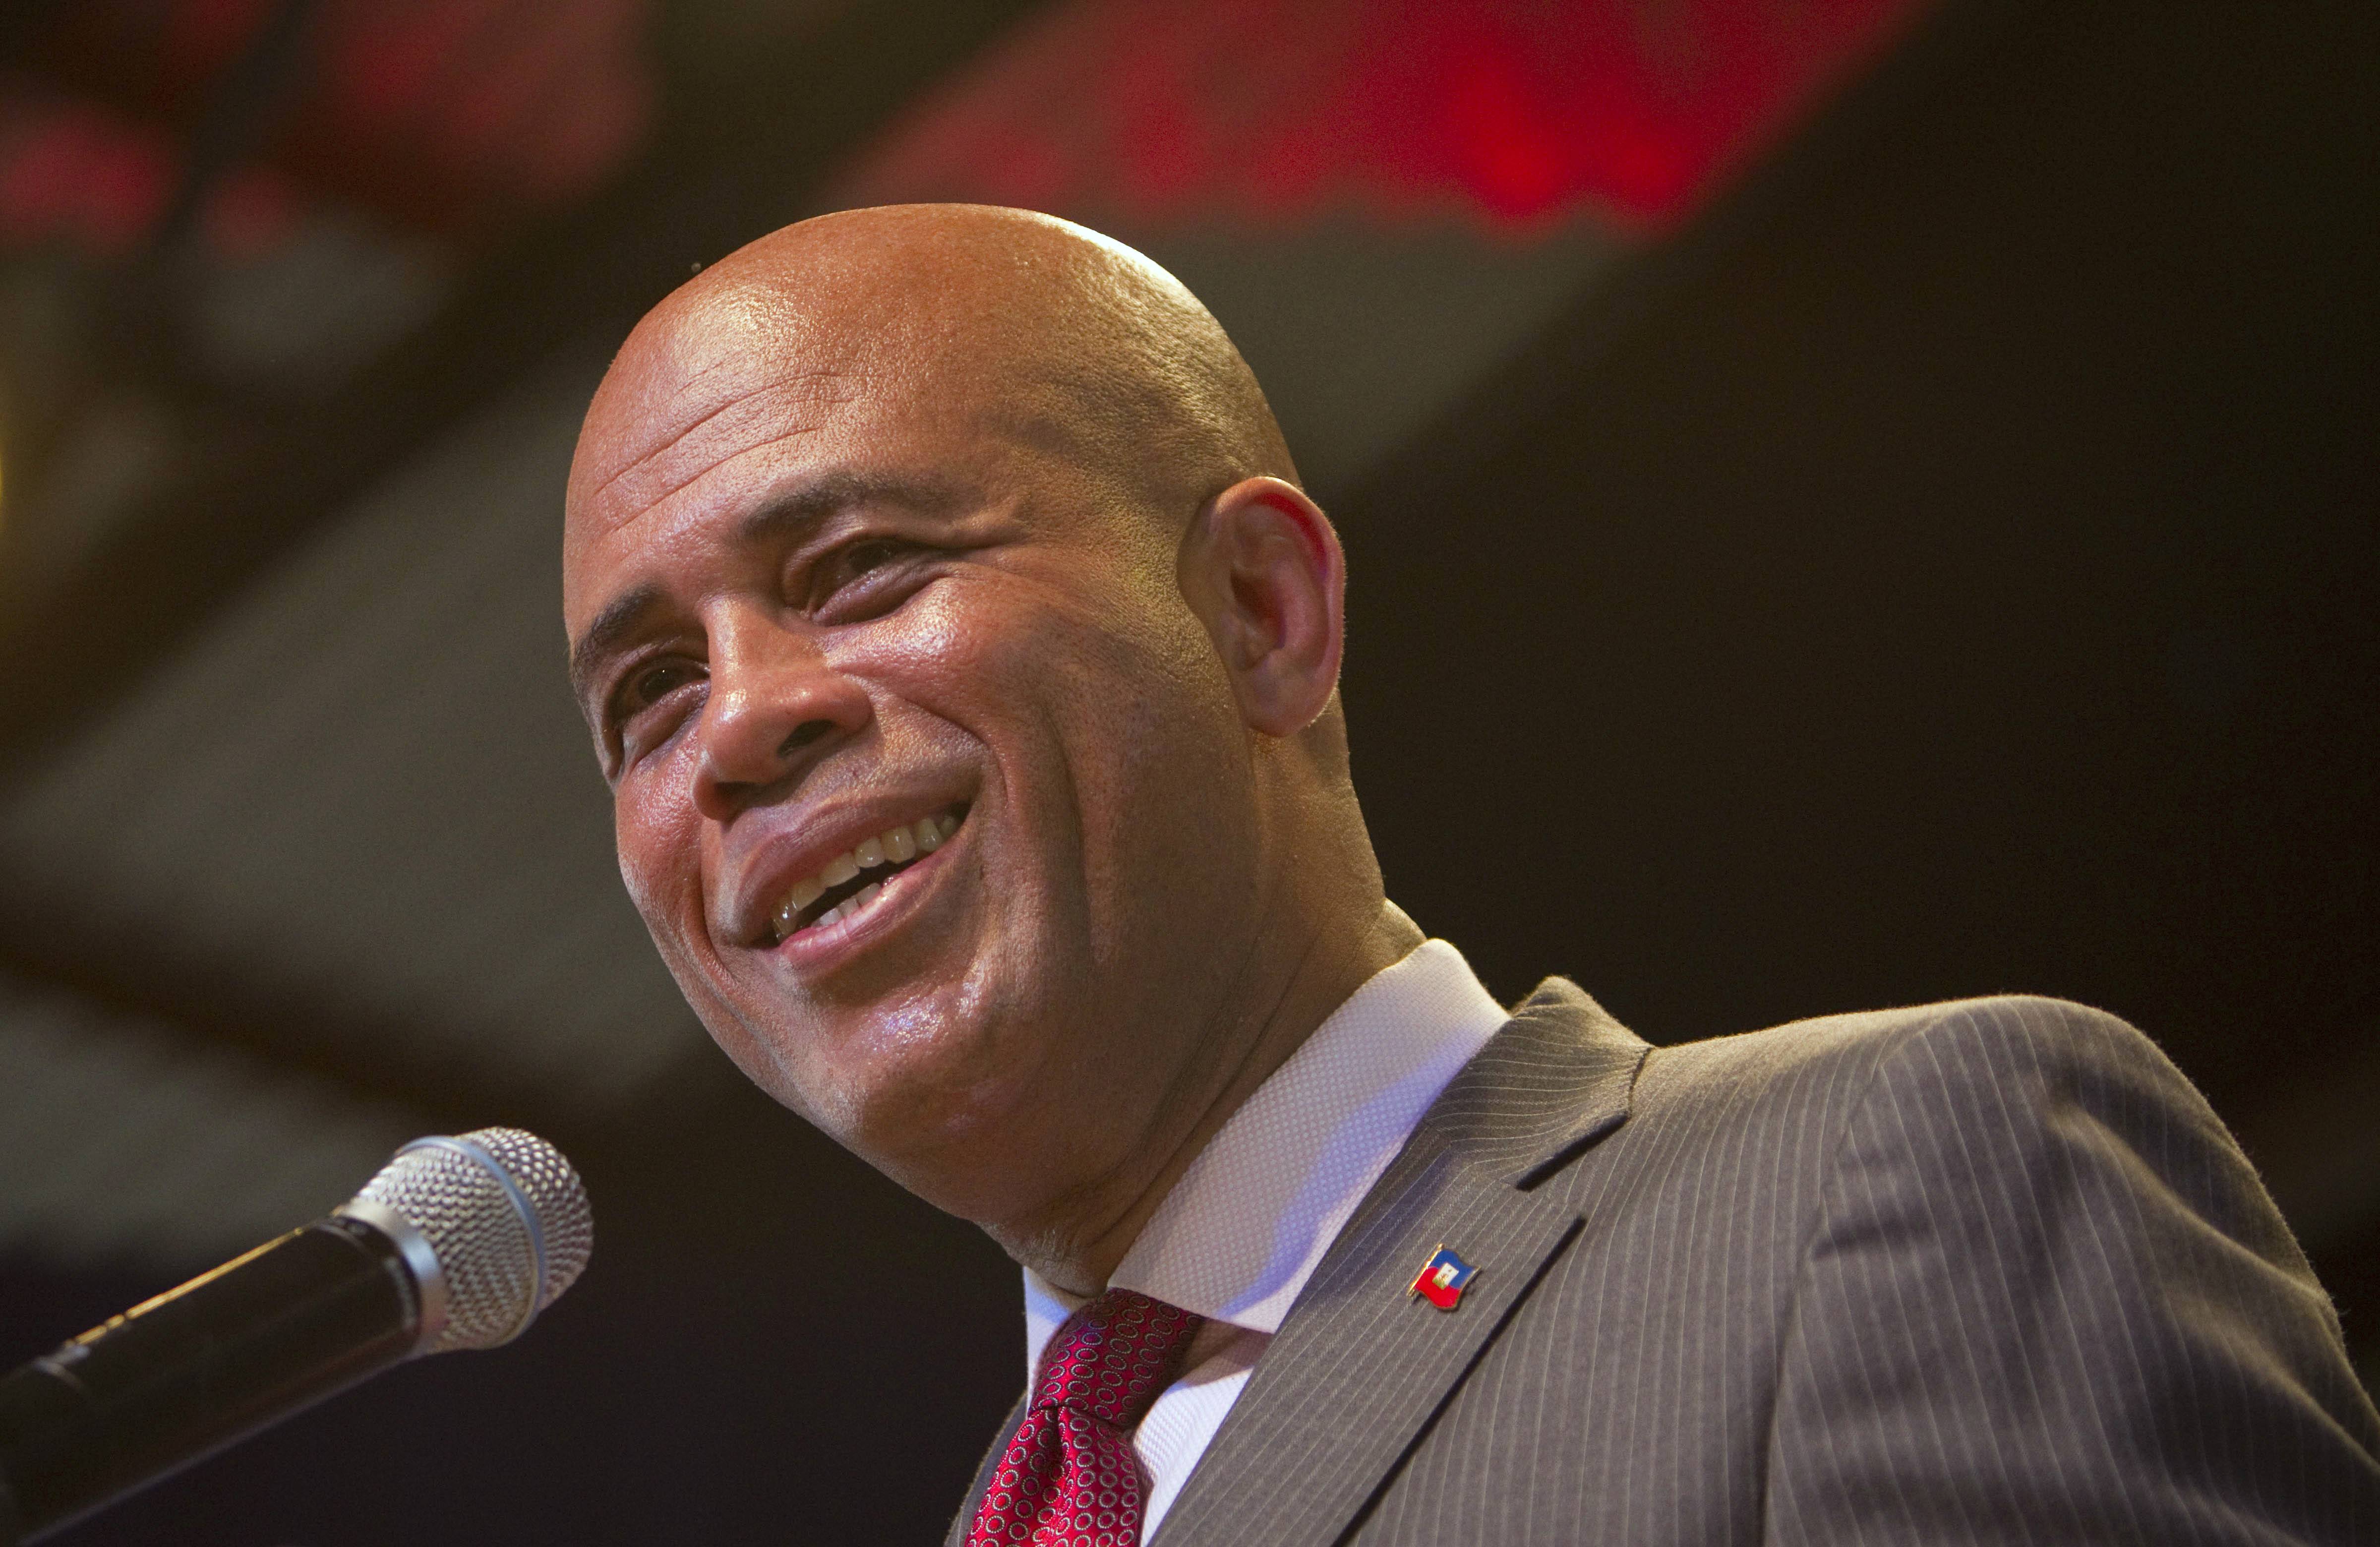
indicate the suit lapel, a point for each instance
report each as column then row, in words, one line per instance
column 1361, row 1366
column 963, row 1522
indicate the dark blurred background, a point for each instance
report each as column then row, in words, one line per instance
column 1851, row 502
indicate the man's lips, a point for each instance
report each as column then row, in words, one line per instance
column 851, row 882
column 794, row 885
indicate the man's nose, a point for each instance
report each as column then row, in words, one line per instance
column 776, row 707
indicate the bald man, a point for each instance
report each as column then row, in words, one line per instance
column 963, row 656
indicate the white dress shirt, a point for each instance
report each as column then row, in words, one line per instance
column 1241, row 1231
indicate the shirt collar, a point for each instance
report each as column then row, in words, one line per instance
column 1241, row 1231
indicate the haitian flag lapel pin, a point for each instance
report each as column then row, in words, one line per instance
column 1443, row 1278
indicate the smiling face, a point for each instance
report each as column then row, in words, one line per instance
column 929, row 782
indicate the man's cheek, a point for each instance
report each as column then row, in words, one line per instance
column 659, row 864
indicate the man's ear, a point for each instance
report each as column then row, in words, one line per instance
column 1263, row 570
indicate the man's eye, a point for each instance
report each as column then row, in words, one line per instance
column 649, row 687
column 856, row 561
column 863, row 579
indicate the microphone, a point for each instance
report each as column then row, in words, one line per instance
column 457, row 1243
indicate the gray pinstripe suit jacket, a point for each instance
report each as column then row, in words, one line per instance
column 1986, row 1272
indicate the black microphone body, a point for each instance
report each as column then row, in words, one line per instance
column 455, row 1243
column 181, row 1376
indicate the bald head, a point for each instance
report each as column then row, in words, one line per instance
column 1071, row 341
column 962, row 540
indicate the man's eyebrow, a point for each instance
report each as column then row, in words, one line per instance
column 613, row 624
column 793, row 513
column 789, row 517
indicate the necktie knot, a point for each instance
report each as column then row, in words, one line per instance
column 1113, row 1356
column 1068, row 1476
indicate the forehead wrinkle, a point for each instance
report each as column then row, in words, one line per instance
column 793, row 383
column 664, row 500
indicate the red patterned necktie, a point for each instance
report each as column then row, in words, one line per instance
column 1069, row 1477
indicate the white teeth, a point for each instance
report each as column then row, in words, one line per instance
column 897, row 845
column 850, row 907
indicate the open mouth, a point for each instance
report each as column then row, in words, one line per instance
column 852, row 880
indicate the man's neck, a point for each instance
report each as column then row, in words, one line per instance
column 1328, row 970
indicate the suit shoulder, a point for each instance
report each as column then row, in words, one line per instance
column 2017, row 1076
column 1988, row 1027
column 1958, row 1051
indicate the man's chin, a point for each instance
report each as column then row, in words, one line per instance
column 889, row 1090
column 951, row 1140
column 922, row 1083
column 836, row 1061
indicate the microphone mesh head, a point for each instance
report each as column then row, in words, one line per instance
column 492, row 1257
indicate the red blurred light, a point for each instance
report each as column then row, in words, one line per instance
column 1520, row 112
column 72, row 172
column 447, row 115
